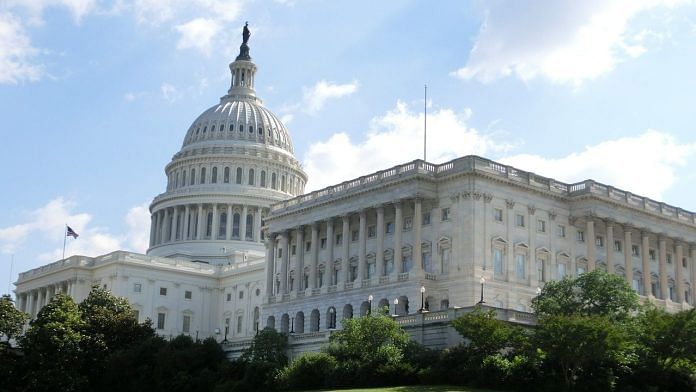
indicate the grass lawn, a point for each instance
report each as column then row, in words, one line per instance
column 416, row 388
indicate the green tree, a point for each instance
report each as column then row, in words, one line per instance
column 267, row 346
column 11, row 319
column 485, row 333
column 53, row 348
column 590, row 294
column 668, row 339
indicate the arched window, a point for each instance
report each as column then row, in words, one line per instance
column 183, row 178
column 202, row 175
column 299, row 322
column 226, row 178
column 222, row 226
column 282, row 183
column 284, row 323
column 241, row 128
column 263, row 178
column 314, row 321
column 214, row 176
column 238, row 179
column 273, row 181
column 348, row 311
column 235, row 226
column 251, row 176
column 270, row 322
column 249, row 227
column 193, row 176
column 209, row 225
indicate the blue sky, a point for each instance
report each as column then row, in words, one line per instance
column 95, row 98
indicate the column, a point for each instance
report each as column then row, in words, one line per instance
column 185, row 232
column 398, row 234
column 257, row 225
column 379, row 254
column 645, row 255
column 216, row 223
column 165, row 226
column 199, row 223
column 30, row 304
column 662, row 266
column 609, row 246
column 242, row 224
column 228, row 223
column 418, row 236
column 679, row 274
column 175, row 224
column 510, row 256
column 270, row 257
column 590, row 241
column 314, row 256
column 330, row 267
column 530, row 267
column 362, row 246
column 153, row 224
column 628, row 254
column 299, row 272
column 285, row 246
column 157, row 228
column 345, row 263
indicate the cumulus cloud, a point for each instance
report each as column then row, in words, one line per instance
column 565, row 41
column 35, row 8
column 645, row 164
column 393, row 138
column 16, row 52
column 48, row 224
column 314, row 98
column 197, row 34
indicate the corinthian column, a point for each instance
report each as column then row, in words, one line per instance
column 628, row 254
column 330, row 267
column 379, row 255
column 216, row 223
column 199, row 223
column 299, row 273
column 609, row 246
column 590, row 241
column 285, row 246
column 662, row 267
column 417, row 236
column 398, row 232
column 679, row 274
column 345, row 263
column 645, row 253
column 270, row 246
column 362, row 246
column 314, row 255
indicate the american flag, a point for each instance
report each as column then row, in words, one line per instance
column 71, row 233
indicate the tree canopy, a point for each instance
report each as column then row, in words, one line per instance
column 11, row 319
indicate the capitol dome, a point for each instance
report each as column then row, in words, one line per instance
column 236, row 160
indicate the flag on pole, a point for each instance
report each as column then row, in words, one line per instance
column 71, row 233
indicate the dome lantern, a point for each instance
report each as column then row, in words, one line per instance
column 243, row 71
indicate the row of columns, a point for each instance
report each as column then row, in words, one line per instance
column 169, row 225
column 32, row 301
column 284, row 238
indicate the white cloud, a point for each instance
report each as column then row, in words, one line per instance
column 395, row 138
column 645, row 164
column 316, row 96
column 565, row 41
column 169, row 92
column 16, row 52
column 46, row 225
column 197, row 34
column 35, row 8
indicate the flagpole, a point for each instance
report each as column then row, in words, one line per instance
column 425, row 122
column 65, row 236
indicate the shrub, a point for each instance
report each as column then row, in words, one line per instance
column 309, row 371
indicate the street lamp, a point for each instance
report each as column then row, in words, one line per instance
column 396, row 303
column 481, row 301
column 422, row 309
column 538, row 291
column 332, row 318
column 369, row 300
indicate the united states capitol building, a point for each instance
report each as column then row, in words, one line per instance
column 236, row 245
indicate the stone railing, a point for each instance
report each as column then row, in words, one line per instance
column 446, row 316
column 476, row 164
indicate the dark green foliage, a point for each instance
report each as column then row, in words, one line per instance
column 309, row 371
column 11, row 319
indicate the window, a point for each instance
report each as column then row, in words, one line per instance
column 235, row 225
column 561, row 231
column 203, row 175
column 241, row 295
column 541, row 270
column 274, row 181
column 541, row 226
column 580, row 236
column 389, row 228
column 684, row 262
column 426, row 218
column 652, row 254
column 669, row 258
column 226, row 175
column 635, row 250
column 498, row 262
column 229, row 297
column 599, row 241
column 251, row 177
column 323, row 243
column 408, row 223
column 519, row 220
column 354, row 235
column 293, row 250
column 308, row 246
column 445, row 214
column 213, row 178
column 188, row 294
column 238, row 178
column 561, row 271
column 183, row 178
column 163, row 291
column 160, row 320
column 263, row 178
column 137, row 287
column 617, row 246
column 187, row 324
column 193, row 177
column 240, row 320
column 520, row 261
column 339, row 239
column 371, row 231
column 497, row 215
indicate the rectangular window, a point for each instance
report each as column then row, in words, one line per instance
column 618, row 246
column 137, row 287
column 160, row 320
column 280, row 252
column 241, row 295
column 293, row 250
column 635, row 250
column 308, row 246
column 163, row 291
column 599, row 241
column 445, row 214
column 520, row 261
column 426, row 218
column 371, row 231
column 498, row 215
column 541, row 226
column 561, row 231
column 652, row 254
column 408, row 223
column 389, row 228
column 323, row 243
column 541, row 271
column 229, row 297
column 669, row 258
column 187, row 324
column 240, row 320
column 561, row 271
column 498, row 262
column 580, row 236
column 354, row 235
column 519, row 220
column 188, row 294
column 684, row 262
column 339, row 239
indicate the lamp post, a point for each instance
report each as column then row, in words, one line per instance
column 292, row 325
column 332, row 318
column 396, row 303
column 422, row 308
column 481, row 301
column 369, row 300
